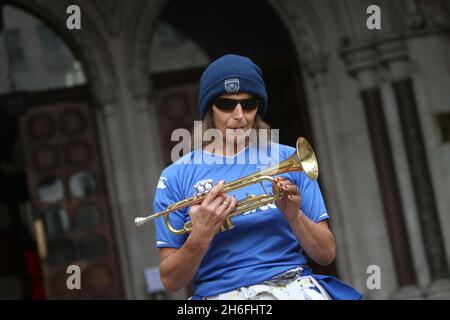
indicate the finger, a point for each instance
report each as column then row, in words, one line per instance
column 230, row 206
column 290, row 189
column 217, row 203
column 280, row 178
column 281, row 184
column 193, row 208
column 227, row 208
column 284, row 183
column 213, row 193
column 289, row 197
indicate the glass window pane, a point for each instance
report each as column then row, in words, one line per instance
column 45, row 157
column 50, row 189
column 82, row 184
column 52, row 48
column 92, row 247
column 97, row 277
column 56, row 221
column 86, row 216
column 171, row 50
column 72, row 122
column 14, row 46
column 77, row 153
column 37, row 58
column 40, row 126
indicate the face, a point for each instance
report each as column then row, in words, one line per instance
column 234, row 122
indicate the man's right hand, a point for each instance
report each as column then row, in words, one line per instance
column 209, row 216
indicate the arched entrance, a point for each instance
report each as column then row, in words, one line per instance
column 190, row 35
column 53, row 200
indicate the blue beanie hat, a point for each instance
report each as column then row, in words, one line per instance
column 231, row 74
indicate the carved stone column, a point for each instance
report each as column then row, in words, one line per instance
column 362, row 63
column 393, row 53
column 109, row 131
column 316, row 69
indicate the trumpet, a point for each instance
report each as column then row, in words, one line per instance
column 303, row 159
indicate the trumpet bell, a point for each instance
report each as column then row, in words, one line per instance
column 307, row 158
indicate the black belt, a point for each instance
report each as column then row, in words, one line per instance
column 285, row 278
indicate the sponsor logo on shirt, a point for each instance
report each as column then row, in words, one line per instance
column 160, row 242
column 203, row 186
column 262, row 208
column 162, row 183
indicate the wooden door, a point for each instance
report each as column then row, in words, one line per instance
column 72, row 219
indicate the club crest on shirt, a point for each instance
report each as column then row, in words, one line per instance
column 203, row 186
column 232, row 85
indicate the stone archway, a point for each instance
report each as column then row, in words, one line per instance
column 299, row 17
column 85, row 45
column 303, row 30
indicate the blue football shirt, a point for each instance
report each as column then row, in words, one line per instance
column 262, row 244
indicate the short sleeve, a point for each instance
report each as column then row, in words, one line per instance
column 312, row 201
column 167, row 193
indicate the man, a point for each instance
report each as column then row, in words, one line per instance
column 263, row 256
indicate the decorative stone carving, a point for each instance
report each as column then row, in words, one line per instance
column 424, row 14
column 359, row 57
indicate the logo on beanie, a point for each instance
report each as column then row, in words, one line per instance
column 232, row 85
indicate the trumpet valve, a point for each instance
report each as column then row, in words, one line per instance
column 228, row 224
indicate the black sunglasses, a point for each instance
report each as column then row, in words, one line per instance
column 227, row 104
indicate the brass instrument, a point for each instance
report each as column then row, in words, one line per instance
column 303, row 159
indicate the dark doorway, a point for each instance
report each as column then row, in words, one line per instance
column 249, row 28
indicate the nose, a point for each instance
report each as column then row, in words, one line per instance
column 238, row 113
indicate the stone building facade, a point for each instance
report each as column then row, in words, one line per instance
column 375, row 103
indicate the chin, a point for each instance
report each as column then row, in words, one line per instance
column 237, row 138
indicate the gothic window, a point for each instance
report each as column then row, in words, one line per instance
column 33, row 57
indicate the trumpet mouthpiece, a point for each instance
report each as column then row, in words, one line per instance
column 139, row 221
